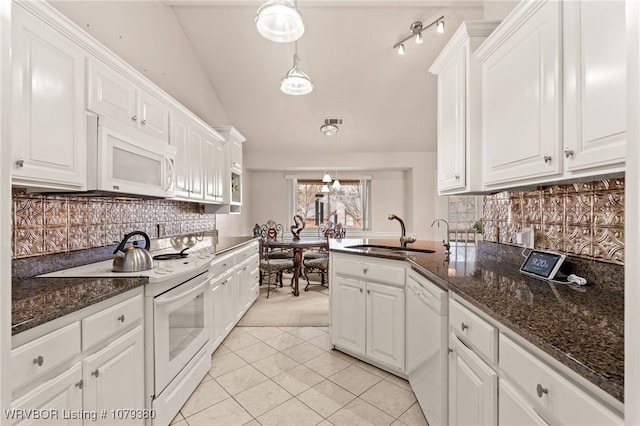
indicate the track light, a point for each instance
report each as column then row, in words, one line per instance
column 279, row 21
column 416, row 31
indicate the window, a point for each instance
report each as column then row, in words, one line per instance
column 349, row 205
column 464, row 217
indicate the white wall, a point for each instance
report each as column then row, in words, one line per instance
column 137, row 35
column 402, row 183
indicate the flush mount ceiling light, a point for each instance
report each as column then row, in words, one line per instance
column 416, row 31
column 296, row 82
column 279, row 21
column 330, row 126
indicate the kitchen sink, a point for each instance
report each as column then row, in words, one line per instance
column 404, row 251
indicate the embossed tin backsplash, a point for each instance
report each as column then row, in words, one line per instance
column 584, row 219
column 44, row 224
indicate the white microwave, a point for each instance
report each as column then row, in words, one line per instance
column 123, row 161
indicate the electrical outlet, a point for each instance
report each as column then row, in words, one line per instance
column 525, row 237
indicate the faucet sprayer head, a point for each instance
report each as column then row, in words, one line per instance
column 392, row 216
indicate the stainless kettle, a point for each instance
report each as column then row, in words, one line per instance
column 132, row 258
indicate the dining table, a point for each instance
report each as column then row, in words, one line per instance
column 298, row 246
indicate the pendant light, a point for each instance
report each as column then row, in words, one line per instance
column 326, row 178
column 296, row 82
column 279, row 21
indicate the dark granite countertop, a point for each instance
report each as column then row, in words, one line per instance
column 582, row 327
column 37, row 300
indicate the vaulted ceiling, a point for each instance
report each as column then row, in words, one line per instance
column 387, row 101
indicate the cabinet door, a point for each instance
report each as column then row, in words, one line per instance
column 114, row 378
column 385, row 324
column 154, row 116
column 228, row 296
column 218, row 328
column 348, row 314
column 513, row 409
column 521, row 99
column 595, row 63
column 62, row 394
column 49, row 126
column 182, row 165
column 221, row 171
column 473, row 386
column 236, row 155
column 110, row 93
column 452, row 122
column 196, row 162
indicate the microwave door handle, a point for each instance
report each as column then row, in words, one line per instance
column 161, row 301
column 170, row 175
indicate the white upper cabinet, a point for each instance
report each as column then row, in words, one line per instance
column 521, row 86
column 554, row 93
column 594, row 85
column 459, row 109
column 111, row 93
column 215, row 175
column 49, row 128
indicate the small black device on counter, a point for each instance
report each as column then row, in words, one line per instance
column 542, row 264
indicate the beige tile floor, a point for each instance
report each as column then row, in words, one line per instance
column 290, row 376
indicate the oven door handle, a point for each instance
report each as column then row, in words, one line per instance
column 160, row 301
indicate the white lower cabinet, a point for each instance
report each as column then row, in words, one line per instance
column 367, row 312
column 113, row 380
column 51, row 400
column 473, row 388
column 513, row 409
column 234, row 287
column 63, row 385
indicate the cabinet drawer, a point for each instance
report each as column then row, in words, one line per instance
column 246, row 253
column 41, row 355
column 222, row 264
column 370, row 272
column 474, row 330
column 110, row 321
column 540, row 383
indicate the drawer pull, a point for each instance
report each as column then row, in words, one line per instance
column 368, row 291
column 80, row 384
column 547, row 158
column 95, row 372
column 364, row 271
column 568, row 152
column 360, row 290
column 540, row 390
column 464, row 326
column 20, row 162
column 121, row 318
column 39, row 360
column 134, row 118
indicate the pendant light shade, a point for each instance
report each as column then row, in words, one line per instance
column 336, row 184
column 325, row 189
column 296, row 82
column 279, row 21
column 326, row 178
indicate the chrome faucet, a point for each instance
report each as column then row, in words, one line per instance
column 403, row 238
column 445, row 243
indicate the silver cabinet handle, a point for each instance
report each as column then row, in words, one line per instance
column 143, row 122
column 449, row 350
column 20, row 162
column 360, row 290
column 568, row 152
column 547, row 158
column 464, row 326
column 80, row 384
column 39, row 360
column 540, row 390
column 121, row 318
column 364, row 271
column 95, row 372
column 368, row 291
column 134, row 118
column 457, row 177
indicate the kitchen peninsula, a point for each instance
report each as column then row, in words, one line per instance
column 579, row 329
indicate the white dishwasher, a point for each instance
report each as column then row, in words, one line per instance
column 427, row 346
